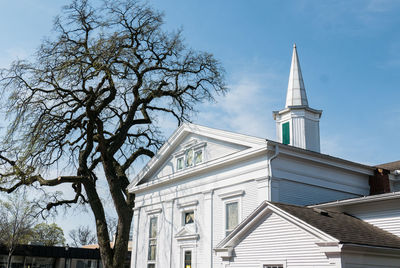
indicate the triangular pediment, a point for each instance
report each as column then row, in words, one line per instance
column 257, row 216
column 186, row 234
column 193, row 146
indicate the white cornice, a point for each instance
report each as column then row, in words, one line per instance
column 181, row 132
column 153, row 211
column 255, row 145
column 322, row 158
column 231, row 194
column 227, row 160
column 188, row 204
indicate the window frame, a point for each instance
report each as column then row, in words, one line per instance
column 184, row 257
column 149, row 239
column 187, row 247
column 274, row 263
column 231, row 197
column 186, row 211
column 226, row 216
column 193, row 146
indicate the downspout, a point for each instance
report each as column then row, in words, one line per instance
column 270, row 171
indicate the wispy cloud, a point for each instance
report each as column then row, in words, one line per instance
column 247, row 107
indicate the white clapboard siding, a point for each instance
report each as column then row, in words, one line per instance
column 304, row 194
column 247, row 204
column 275, row 240
column 388, row 220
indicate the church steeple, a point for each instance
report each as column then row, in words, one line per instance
column 297, row 124
column 296, row 92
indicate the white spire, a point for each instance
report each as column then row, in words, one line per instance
column 296, row 92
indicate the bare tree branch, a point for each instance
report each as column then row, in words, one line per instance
column 90, row 101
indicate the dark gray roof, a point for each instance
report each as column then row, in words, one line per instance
column 346, row 228
column 390, row 166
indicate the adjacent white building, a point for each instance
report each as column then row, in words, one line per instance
column 196, row 197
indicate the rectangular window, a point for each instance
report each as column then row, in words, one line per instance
column 151, row 265
column 231, row 216
column 189, row 217
column 189, row 158
column 152, row 240
column 179, row 163
column 286, row 133
column 272, row 266
column 198, row 157
column 188, row 259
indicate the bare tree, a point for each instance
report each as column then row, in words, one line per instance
column 17, row 217
column 91, row 101
column 82, row 235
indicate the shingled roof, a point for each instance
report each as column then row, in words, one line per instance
column 346, row 228
column 390, row 166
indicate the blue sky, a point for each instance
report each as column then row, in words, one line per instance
column 349, row 54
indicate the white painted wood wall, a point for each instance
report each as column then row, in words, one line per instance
column 298, row 178
column 276, row 241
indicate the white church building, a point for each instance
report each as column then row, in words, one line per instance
column 217, row 199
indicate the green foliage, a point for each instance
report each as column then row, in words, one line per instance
column 47, row 234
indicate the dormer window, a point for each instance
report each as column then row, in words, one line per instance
column 192, row 155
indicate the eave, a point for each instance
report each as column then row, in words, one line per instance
column 359, row 200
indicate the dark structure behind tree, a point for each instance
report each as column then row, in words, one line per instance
column 55, row 257
column 92, row 100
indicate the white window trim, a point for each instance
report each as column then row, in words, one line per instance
column 184, row 248
column 231, row 194
column 187, row 207
column 195, row 146
column 192, row 204
column 228, row 201
column 183, row 217
column 153, row 213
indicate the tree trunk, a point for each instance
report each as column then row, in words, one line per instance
column 9, row 258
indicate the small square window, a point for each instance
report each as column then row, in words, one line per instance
column 179, row 163
column 189, row 217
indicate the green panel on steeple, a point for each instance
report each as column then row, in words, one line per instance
column 285, row 133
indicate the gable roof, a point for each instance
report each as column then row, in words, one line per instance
column 179, row 135
column 254, row 144
column 327, row 225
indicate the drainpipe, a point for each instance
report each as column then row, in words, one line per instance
column 270, row 171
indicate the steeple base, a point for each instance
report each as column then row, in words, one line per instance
column 298, row 126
